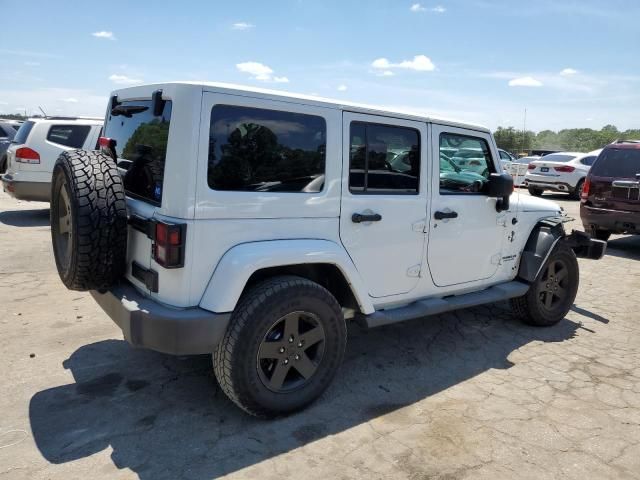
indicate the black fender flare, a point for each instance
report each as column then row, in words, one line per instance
column 544, row 236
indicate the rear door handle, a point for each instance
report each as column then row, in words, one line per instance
column 359, row 217
column 443, row 215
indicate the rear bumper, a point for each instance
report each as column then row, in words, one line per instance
column 148, row 324
column 33, row 191
column 615, row 221
column 549, row 184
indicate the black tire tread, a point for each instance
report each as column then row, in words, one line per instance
column 98, row 203
column 257, row 298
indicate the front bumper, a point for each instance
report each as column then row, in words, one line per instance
column 33, row 191
column 149, row 324
column 584, row 246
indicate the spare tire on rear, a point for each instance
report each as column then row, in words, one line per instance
column 88, row 220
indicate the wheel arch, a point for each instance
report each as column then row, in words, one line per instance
column 543, row 237
column 322, row 261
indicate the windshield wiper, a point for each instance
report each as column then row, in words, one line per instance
column 128, row 110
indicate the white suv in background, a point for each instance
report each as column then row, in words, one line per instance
column 35, row 148
column 560, row 172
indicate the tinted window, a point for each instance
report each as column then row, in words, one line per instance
column 259, row 150
column 140, row 146
column 3, row 132
column 614, row 162
column 465, row 163
column 555, row 157
column 384, row 159
column 16, row 126
column 68, row 135
column 23, row 132
column 504, row 155
column 588, row 160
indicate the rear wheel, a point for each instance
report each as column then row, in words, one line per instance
column 578, row 190
column 284, row 344
column 551, row 295
column 536, row 192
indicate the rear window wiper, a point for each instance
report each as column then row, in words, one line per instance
column 128, row 110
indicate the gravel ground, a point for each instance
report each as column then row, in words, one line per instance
column 470, row 394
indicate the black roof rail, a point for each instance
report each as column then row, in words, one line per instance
column 624, row 141
column 60, row 117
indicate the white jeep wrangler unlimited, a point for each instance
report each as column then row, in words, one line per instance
column 253, row 224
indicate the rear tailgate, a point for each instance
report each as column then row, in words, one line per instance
column 615, row 180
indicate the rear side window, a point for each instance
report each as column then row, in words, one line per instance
column 140, row 146
column 68, row 135
column 23, row 132
column 259, row 150
column 588, row 160
column 384, row 159
column 614, row 162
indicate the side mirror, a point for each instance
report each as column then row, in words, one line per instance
column 500, row 186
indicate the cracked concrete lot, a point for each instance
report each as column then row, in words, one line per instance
column 473, row 394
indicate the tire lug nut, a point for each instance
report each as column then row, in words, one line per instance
column 291, row 339
column 299, row 343
column 286, row 361
column 281, row 350
column 297, row 357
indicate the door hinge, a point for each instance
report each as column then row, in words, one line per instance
column 420, row 226
column 413, row 271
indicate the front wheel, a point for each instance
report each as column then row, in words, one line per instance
column 284, row 344
column 552, row 293
column 535, row 192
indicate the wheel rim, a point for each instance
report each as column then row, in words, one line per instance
column 291, row 352
column 64, row 226
column 553, row 285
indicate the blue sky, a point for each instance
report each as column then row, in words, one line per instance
column 570, row 63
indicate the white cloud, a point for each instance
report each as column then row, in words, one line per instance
column 104, row 34
column 525, row 82
column 417, row 7
column 567, row 72
column 342, row 88
column 123, row 79
column 69, row 100
column 32, row 64
column 4, row 103
column 260, row 71
column 420, row 63
column 242, row 26
column 385, row 73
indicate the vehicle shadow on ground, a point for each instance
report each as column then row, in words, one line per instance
column 26, row 218
column 625, row 247
column 166, row 417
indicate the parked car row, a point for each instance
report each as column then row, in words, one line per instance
column 34, row 148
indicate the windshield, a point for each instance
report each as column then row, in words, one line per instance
column 140, row 146
column 612, row 162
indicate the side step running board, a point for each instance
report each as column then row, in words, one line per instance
column 434, row 306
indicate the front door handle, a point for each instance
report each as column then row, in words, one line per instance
column 360, row 217
column 443, row 215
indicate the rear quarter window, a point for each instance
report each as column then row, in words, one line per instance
column 612, row 162
column 68, row 135
column 23, row 132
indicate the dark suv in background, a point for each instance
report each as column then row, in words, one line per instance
column 610, row 200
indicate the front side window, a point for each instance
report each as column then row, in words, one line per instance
column 68, row 135
column 384, row 159
column 465, row 163
column 260, row 150
column 140, row 140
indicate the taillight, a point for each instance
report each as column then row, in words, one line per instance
column 564, row 168
column 27, row 155
column 531, row 166
column 585, row 190
column 168, row 249
column 108, row 144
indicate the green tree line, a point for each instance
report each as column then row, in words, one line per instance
column 570, row 139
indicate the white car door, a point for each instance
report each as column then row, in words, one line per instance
column 466, row 234
column 384, row 200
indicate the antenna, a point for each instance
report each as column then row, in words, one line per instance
column 43, row 112
column 524, row 130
